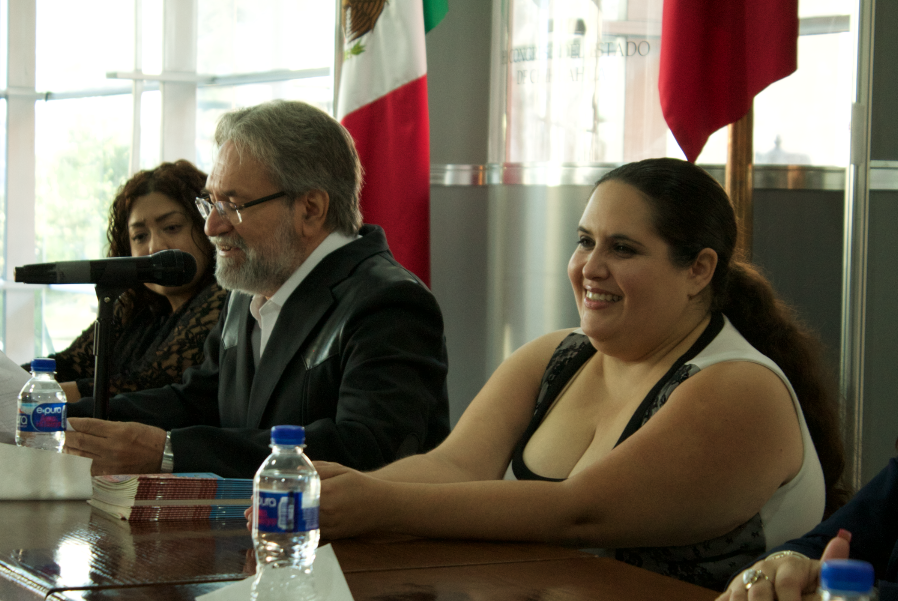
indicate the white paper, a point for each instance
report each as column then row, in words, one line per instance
column 330, row 585
column 12, row 379
column 27, row 474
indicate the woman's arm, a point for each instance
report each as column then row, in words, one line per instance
column 480, row 445
column 705, row 463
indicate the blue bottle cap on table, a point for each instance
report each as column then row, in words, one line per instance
column 846, row 575
column 43, row 364
column 288, row 435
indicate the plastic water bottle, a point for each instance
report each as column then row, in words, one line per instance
column 286, row 493
column 846, row 580
column 42, row 410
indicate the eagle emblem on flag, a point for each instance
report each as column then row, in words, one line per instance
column 360, row 17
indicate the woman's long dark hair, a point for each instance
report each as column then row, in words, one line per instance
column 180, row 181
column 691, row 211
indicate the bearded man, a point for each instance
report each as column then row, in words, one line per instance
column 322, row 327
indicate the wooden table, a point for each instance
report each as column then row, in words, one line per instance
column 66, row 550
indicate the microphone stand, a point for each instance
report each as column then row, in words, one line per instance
column 108, row 291
column 112, row 277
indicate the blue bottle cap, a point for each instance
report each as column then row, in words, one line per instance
column 43, row 365
column 846, row 575
column 288, row 435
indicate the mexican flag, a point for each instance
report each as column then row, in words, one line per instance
column 383, row 103
column 716, row 55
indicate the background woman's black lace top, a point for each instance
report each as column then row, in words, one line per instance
column 151, row 351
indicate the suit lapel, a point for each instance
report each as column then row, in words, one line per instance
column 309, row 304
column 237, row 335
column 299, row 315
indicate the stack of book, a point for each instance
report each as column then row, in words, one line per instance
column 172, row 497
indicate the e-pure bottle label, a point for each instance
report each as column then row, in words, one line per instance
column 283, row 512
column 277, row 511
column 307, row 517
column 46, row 417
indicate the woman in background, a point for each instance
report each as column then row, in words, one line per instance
column 158, row 331
column 678, row 428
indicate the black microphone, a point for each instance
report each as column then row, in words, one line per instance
column 166, row 268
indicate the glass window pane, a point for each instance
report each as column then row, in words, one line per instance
column 213, row 101
column 578, row 82
column 246, row 36
column 66, row 311
column 82, row 148
column 79, row 42
column 151, row 22
column 823, row 8
column 714, row 152
column 805, row 118
column 150, row 129
column 4, row 42
column 3, row 146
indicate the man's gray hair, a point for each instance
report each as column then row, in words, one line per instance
column 303, row 149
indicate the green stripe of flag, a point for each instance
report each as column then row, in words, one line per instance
column 434, row 11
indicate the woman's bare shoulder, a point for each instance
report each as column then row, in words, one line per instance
column 742, row 379
column 518, row 377
column 540, row 349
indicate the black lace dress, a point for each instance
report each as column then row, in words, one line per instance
column 152, row 351
column 709, row 563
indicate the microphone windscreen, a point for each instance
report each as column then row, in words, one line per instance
column 173, row 267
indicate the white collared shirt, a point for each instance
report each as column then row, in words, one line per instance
column 266, row 311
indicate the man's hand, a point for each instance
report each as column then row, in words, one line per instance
column 116, row 447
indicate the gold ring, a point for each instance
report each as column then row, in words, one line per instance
column 752, row 576
column 787, row 553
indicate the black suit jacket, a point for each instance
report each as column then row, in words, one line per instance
column 357, row 356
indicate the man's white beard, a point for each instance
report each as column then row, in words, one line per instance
column 263, row 270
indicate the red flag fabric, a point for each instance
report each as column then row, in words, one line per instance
column 716, row 55
column 383, row 103
column 393, row 142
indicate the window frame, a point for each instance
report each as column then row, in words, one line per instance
column 22, row 319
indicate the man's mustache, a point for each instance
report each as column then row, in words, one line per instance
column 230, row 241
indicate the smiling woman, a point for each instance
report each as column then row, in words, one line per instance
column 621, row 274
column 158, row 331
column 678, row 428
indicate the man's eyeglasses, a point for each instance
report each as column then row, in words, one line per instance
column 229, row 210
